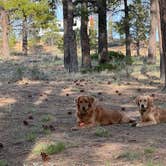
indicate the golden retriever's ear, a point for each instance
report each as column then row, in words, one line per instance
column 76, row 99
column 150, row 101
column 137, row 100
column 91, row 99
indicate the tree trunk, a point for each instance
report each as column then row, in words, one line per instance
column 85, row 47
column 160, row 43
column 65, row 18
column 138, row 48
column 127, row 30
column 162, row 7
column 5, row 31
column 152, row 37
column 102, row 26
column 25, row 37
column 70, row 49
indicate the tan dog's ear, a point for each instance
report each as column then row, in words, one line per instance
column 91, row 99
column 137, row 100
column 150, row 101
column 76, row 99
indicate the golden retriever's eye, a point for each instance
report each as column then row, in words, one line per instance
column 145, row 100
column 80, row 101
column 140, row 101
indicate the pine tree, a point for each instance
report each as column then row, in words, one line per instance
column 139, row 23
column 162, row 7
column 36, row 13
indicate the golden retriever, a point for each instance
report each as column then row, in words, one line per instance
column 90, row 113
column 150, row 114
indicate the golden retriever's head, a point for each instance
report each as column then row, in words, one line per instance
column 84, row 103
column 144, row 102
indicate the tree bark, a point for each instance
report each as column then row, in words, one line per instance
column 5, row 32
column 127, row 30
column 162, row 7
column 152, row 37
column 70, row 49
column 25, row 36
column 85, row 47
column 65, row 18
column 160, row 42
column 102, row 26
column 138, row 48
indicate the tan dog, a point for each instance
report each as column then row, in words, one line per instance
column 149, row 113
column 90, row 113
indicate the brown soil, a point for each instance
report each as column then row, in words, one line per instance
column 25, row 103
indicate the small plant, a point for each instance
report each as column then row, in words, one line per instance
column 107, row 163
column 116, row 55
column 50, row 148
column 151, row 163
column 111, row 54
column 149, row 150
column 46, row 118
column 55, row 148
column 31, row 136
column 163, row 105
column 3, row 163
column 47, row 131
column 107, row 66
column 19, row 73
column 37, row 74
column 130, row 155
column 102, row 132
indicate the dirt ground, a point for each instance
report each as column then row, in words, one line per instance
column 36, row 92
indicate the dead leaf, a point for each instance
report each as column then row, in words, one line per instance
column 44, row 156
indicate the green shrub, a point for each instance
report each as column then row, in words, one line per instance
column 50, row 148
column 31, row 136
column 111, row 54
column 37, row 74
column 102, row 132
column 106, row 66
column 95, row 56
column 116, row 55
column 130, row 155
column 3, row 163
column 55, row 148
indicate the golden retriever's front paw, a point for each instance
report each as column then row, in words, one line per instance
column 75, row 128
column 138, row 125
column 134, row 124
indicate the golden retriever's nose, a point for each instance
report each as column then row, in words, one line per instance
column 83, row 108
column 142, row 106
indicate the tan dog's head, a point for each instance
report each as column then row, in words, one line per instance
column 144, row 102
column 84, row 103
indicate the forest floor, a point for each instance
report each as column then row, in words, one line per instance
column 37, row 113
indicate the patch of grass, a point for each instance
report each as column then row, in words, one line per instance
column 3, row 163
column 31, row 136
column 163, row 105
column 107, row 66
column 46, row 118
column 149, row 150
column 75, row 90
column 130, row 155
column 20, row 72
column 151, row 163
column 37, row 74
column 107, row 163
column 47, row 131
column 102, row 132
column 50, row 148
